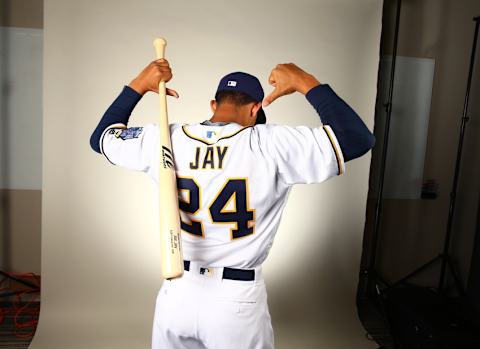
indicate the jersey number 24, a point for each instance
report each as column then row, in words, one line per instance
column 235, row 191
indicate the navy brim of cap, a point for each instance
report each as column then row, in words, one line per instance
column 261, row 118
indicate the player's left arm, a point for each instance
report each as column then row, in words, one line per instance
column 118, row 114
column 120, row 110
column 121, row 145
column 354, row 137
column 125, row 146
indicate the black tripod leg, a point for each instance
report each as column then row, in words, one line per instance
column 415, row 272
column 456, row 278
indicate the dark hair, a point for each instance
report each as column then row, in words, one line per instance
column 234, row 97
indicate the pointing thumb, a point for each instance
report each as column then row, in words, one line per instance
column 171, row 92
column 271, row 97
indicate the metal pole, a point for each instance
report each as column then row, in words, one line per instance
column 453, row 193
column 388, row 108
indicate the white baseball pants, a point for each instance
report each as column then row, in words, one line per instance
column 207, row 312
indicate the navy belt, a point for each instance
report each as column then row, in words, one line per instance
column 229, row 273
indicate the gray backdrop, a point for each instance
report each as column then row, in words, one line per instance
column 100, row 247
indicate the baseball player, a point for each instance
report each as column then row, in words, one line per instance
column 234, row 174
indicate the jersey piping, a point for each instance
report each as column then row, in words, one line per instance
column 337, row 155
column 118, row 126
column 211, row 143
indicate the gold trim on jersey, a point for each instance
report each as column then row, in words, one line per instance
column 251, row 223
column 188, row 214
column 195, row 221
column 233, row 200
column 180, row 197
column 104, row 133
column 211, row 143
column 337, row 152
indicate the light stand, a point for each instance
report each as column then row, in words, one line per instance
column 372, row 275
column 445, row 257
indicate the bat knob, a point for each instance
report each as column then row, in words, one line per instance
column 159, row 44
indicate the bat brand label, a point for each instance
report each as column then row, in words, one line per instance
column 167, row 157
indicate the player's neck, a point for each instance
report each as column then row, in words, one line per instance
column 228, row 113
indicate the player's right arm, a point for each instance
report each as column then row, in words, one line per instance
column 121, row 145
column 353, row 135
column 308, row 155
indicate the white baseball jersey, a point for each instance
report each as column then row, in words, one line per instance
column 233, row 181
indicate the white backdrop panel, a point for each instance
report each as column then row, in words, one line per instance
column 100, row 250
column 21, row 51
column 412, row 94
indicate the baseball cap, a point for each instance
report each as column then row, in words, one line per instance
column 248, row 84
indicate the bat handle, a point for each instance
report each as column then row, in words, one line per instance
column 159, row 44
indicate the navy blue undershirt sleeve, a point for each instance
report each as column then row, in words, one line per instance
column 352, row 134
column 118, row 112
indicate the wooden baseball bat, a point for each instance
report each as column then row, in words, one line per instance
column 170, row 245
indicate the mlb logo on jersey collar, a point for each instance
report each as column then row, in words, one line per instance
column 212, row 135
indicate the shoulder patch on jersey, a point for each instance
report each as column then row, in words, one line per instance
column 128, row 133
column 116, row 132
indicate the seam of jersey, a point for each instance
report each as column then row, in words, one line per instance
column 208, row 143
column 120, row 126
column 337, row 156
